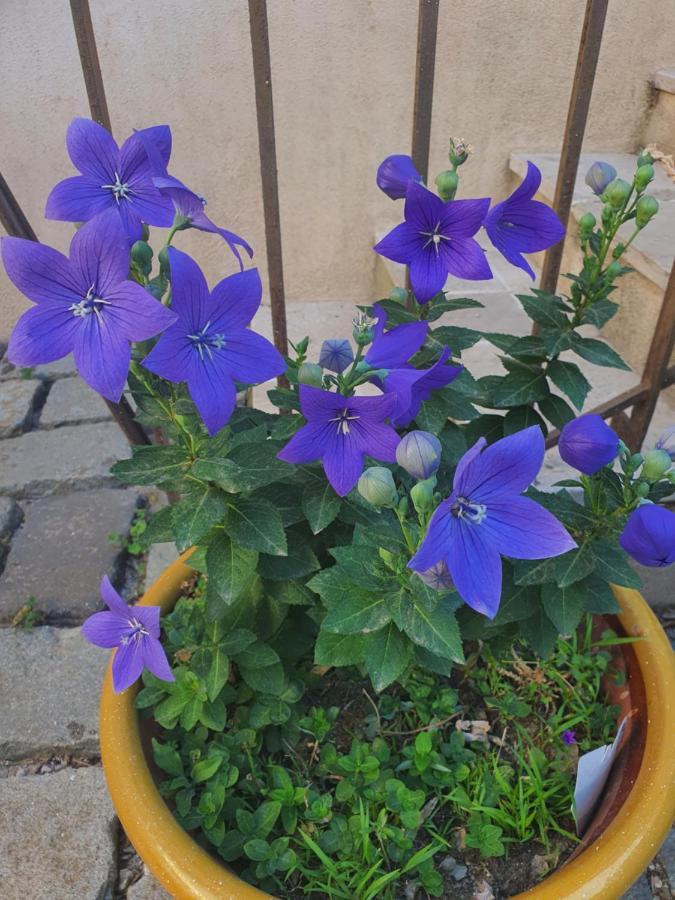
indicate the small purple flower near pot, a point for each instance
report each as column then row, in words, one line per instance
column 649, row 536
column 395, row 173
column 485, row 518
column 211, row 346
column 599, row 176
column 341, row 431
column 111, row 178
column 569, row 737
column 336, row 354
column 587, row 443
column 85, row 304
column 436, row 240
column 520, row 224
column 134, row 631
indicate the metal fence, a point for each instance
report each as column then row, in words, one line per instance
column 639, row 400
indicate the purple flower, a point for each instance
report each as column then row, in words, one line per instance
column 84, row 305
column 394, row 174
column 649, row 536
column 210, row 346
column 520, row 224
column 587, row 443
column 569, row 737
column 599, row 176
column 436, row 241
column 419, row 453
column 485, row 518
column 134, row 631
column 112, row 178
column 190, row 206
column 341, row 431
column 392, row 349
column 667, row 442
column 411, row 387
column 336, row 354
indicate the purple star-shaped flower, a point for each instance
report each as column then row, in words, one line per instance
column 649, row 536
column 341, row 431
column 411, row 387
column 112, row 178
column 569, row 737
column 210, row 346
column 392, row 349
column 85, row 305
column 520, row 224
column 436, row 240
column 134, row 631
column 485, row 518
column 157, row 142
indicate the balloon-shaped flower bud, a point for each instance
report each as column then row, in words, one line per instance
column 646, row 208
column 141, row 257
column 376, row 485
column 419, row 453
column 643, row 176
column 599, row 176
column 649, row 536
column 656, row 464
column 311, row 373
column 645, row 159
column 667, row 442
column 394, row 175
column 438, row 577
column 447, row 183
column 398, row 295
column 363, row 329
column 586, row 224
column 588, row 444
column 336, row 354
column 616, row 193
column 422, row 495
column 614, row 269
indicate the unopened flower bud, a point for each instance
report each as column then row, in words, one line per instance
column 336, row 355
column 599, row 176
column 614, row 269
column 398, row 295
column 447, row 183
column 616, row 193
column 395, row 174
column 649, row 536
column 643, row 176
column 645, row 159
column 363, row 329
column 636, row 460
column 586, row 224
column 656, row 464
column 647, row 207
column 459, row 151
column 438, row 577
column 607, row 216
column 422, row 495
column 419, row 453
column 376, row 485
column 311, row 373
column 588, row 444
column 141, row 256
column 145, row 232
column 642, row 490
column 667, row 442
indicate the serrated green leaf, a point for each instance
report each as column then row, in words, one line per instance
column 158, row 529
column 556, row 410
column 256, row 524
column 358, row 613
column 599, row 312
column 573, row 565
column 613, row 564
column 338, row 649
column 522, row 417
column 529, row 346
column 597, row 352
column 570, row 379
column 320, row 505
column 230, row 568
column 453, row 336
column 519, row 389
column 453, row 304
column 539, row 632
column 529, row 572
column 434, row 629
column 388, row 653
column 155, row 464
column 299, row 561
column 219, row 670
column 564, row 606
column 544, row 309
column 196, row 514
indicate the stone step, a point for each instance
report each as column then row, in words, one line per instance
column 659, row 128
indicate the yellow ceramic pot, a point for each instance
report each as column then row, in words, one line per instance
column 603, row 871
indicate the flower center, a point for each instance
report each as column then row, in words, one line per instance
column 120, row 191
column 433, row 237
column 343, row 419
column 463, row 508
column 138, row 631
column 203, row 342
column 89, row 304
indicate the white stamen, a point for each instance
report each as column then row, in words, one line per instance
column 343, row 419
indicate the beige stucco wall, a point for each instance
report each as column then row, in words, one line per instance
column 343, row 79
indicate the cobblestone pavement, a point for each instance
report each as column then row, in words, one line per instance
column 59, row 838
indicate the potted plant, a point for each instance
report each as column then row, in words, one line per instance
column 383, row 650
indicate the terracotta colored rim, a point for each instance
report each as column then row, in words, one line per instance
column 603, row 871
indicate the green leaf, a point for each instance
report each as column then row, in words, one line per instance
column 167, row 758
column 613, row 565
column 544, row 310
column 388, row 653
column 358, row 613
column 247, row 467
column 599, row 312
column 284, row 398
column 218, row 672
column 529, row 346
column 599, row 598
column 528, row 572
column 570, row 379
column 564, row 606
column 457, row 404
column 433, row 415
column 556, row 410
column 361, row 567
column 286, row 499
column 434, row 629
column 488, row 426
column 436, row 310
column 300, row 561
column 520, row 388
column 230, row 568
column 270, row 680
column 158, row 529
column 196, row 514
column 453, row 336
column 539, row 632
column 205, row 768
column 257, row 849
column 574, row 565
column 597, row 352
column 320, row 504
column 256, row 524
column 155, row 464
column 522, row 417
column 338, row 649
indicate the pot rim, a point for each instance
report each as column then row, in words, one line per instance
column 604, row 870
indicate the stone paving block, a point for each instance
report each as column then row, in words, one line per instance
column 17, row 399
column 61, row 368
column 50, row 684
column 74, row 457
column 62, row 551
column 148, row 888
column 159, row 557
column 10, row 517
column 57, row 836
column 71, row 401
column 639, row 891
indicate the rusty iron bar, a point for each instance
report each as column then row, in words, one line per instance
column 91, row 68
column 427, row 30
column 262, row 76
column 11, row 215
column 575, row 126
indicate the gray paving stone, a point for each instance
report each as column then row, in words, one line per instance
column 62, row 368
column 148, row 888
column 62, row 551
column 71, row 401
column 57, row 836
column 17, row 398
column 50, row 682
column 74, row 457
column 159, row 557
column 10, row 517
column 639, row 891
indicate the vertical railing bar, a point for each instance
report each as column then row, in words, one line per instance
column 12, row 216
column 262, row 76
column 575, row 126
column 91, row 68
column 427, row 28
